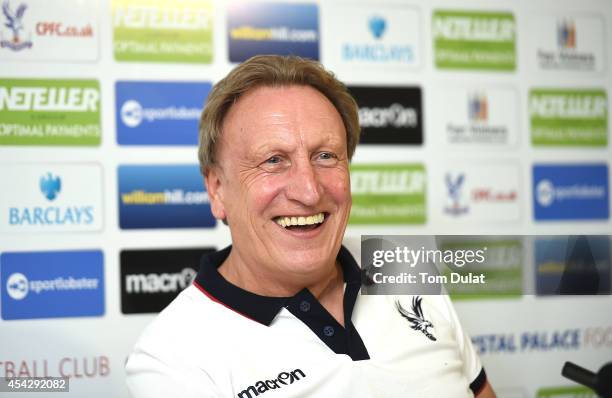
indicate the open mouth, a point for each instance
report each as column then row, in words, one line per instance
column 301, row 223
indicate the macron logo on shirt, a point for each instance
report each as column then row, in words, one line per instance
column 283, row 379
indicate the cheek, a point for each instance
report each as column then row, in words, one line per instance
column 338, row 186
column 262, row 193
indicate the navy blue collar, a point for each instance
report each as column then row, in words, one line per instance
column 264, row 309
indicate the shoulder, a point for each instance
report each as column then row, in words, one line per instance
column 191, row 320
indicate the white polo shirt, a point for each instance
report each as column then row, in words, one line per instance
column 217, row 340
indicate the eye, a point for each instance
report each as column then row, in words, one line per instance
column 326, row 156
column 275, row 163
column 273, row 160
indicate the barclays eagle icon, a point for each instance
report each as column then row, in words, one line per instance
column 377, row 26
column 50, row 186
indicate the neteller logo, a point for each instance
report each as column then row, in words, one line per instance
column 56, row 99
column 18, row 286
column 14, row 21
column 133, row 114
column 387, row 182
column 159, row 283
column 547, row 193
column 262, row 386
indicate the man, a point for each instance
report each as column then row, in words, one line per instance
column 278, row 312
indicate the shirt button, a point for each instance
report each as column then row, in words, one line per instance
column 304, row 306
column 328, row 331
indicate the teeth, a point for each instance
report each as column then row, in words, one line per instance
column 309, row 220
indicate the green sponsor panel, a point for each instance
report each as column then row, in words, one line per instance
column 566, row 392
column 568, row 117
column 502, row 269
column 163, row 31
column 474, row 40
column 388, row 194
column 50, row 112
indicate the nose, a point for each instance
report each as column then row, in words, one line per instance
column 304, row 184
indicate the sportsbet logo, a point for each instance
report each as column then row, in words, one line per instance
column 163, row 30
column 474, row 40
column 388, row 194
column 568, row 117
column 49, row 112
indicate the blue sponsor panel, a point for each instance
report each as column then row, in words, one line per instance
column 272, row 28
column 159, row 113
column 572, row 265
column 571, row 192
column 56, row 284
column 164, row 196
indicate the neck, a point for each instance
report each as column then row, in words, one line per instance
column 328, row 287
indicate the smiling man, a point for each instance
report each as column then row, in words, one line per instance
column 279, row 312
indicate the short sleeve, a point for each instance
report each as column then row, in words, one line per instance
column 472, row 367
column 149, row 376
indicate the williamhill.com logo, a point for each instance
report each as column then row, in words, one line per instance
column 283, row 379
column 272, row 28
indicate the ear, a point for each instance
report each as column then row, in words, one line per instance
column 214, row 187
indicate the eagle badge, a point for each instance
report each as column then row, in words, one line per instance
column 416, row 317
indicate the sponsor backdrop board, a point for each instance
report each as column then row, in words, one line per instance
column 479, row 118
column 151, row 279
column 159, row 113
column 50, row 31
column 162, row 31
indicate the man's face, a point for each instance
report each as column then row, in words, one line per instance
column 281, row 161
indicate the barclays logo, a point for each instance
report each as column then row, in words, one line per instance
column 50, row 186
column 379, row 50
column 51, row 197
column 377, row 26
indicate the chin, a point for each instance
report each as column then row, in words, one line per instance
column 307, row 261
